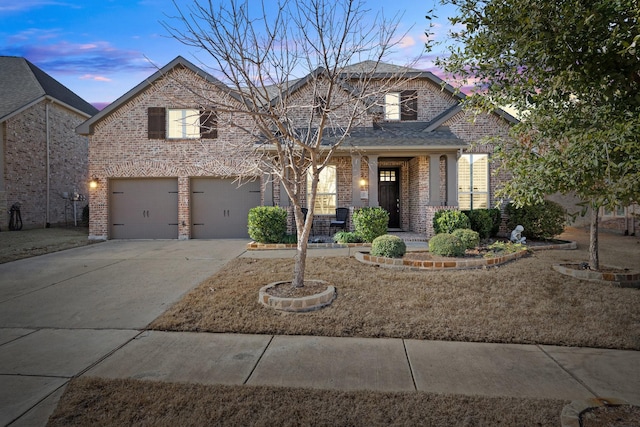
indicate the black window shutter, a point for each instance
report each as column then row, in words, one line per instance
column 409, row 105
column 157, row 122
column 208, row 124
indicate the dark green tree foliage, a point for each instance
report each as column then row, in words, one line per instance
column 572, row 68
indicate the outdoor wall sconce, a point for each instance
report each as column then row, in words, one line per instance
column 363, row 183
column 93, row 184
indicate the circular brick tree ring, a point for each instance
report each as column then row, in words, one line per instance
column 623, row 278
column 297, row 304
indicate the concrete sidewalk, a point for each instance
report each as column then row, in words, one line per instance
column 84, row 312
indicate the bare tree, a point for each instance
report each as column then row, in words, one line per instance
column 290, row 74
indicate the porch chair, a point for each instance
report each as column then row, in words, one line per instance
column 341, row 219
column 305, row 211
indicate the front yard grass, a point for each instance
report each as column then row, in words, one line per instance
column 521, row 302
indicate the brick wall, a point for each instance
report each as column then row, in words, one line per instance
column 25, row 153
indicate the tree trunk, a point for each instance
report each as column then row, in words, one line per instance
column 594, row 260
column 301, row 249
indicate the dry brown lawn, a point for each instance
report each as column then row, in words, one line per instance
column 99, row 402
column 524, row 301
column 15, row 245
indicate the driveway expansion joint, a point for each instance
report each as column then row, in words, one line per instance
column 571, row 374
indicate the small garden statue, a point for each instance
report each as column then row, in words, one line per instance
column 516, row 235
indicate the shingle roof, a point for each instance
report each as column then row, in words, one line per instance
column 403, row 134
column 21, row 83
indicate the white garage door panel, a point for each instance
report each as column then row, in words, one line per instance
column 219, row 207
column 144, row 208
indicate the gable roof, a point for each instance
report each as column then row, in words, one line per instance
column 86, row 128
column 23, row 84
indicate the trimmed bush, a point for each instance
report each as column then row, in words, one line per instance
column 496, row 219
column 267, row 224
column 388, row 246
column 370, row 222
column 448, row 220
column 481, row 221
column 469, row 238
column 541, row 221
column 445, row 244
column 347, row 237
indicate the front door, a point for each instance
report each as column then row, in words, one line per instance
column 389, row 194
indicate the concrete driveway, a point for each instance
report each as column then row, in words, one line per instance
column 62, row 313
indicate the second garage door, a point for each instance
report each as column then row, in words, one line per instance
column 219, row 207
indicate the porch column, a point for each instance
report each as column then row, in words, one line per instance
column 373, row 181
column 452, row 179
column 434, row 180
column 356, row 160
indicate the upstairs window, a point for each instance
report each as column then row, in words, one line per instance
column 174, row 123
column 473, row 181
column 401, row 105
column 183, row 124
column 327, row 194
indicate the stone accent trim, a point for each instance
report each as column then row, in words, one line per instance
column 623, row 280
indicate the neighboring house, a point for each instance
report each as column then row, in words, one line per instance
column 156, row 180
column 42, row 159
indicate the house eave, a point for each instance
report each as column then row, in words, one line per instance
column 37, row 101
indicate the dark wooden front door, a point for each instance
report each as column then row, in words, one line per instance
column 389, row 194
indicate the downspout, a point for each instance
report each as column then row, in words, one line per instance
column 47, row 223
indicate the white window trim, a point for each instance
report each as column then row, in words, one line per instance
column 392, row 110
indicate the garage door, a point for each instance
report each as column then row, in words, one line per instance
column 219, row 208
column 144, row 208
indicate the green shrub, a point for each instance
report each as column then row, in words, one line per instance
column 470, row 239
column 267, row 224
column 448, row 220
column 370, row 223
column 445, row 244
column 502, row 248
column 347, row 237
column 541, row 221
column 496, row 219
column 481, row 221
column 289, row 238
column 388, row 246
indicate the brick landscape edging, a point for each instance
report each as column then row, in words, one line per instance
column 255, row 246
column 300, row 304
column 452, row 264
column 624, row 280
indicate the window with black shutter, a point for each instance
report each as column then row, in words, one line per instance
column 208, row 124
column 408, row 105
column 156, row 123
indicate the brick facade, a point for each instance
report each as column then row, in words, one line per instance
column 24, row 139
column 120, row 148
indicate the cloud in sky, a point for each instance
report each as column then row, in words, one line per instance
column 64, row 57
column 95, row 77
column 19, row 6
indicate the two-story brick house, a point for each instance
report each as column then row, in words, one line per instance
column 43, row 161
column 163, row 167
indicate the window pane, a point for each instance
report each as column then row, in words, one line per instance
column 480, row 172
column 184, row 123
column 464, row 202
column 464, row 174
column 480, row 201
column 392, row 106
column 326, row 197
